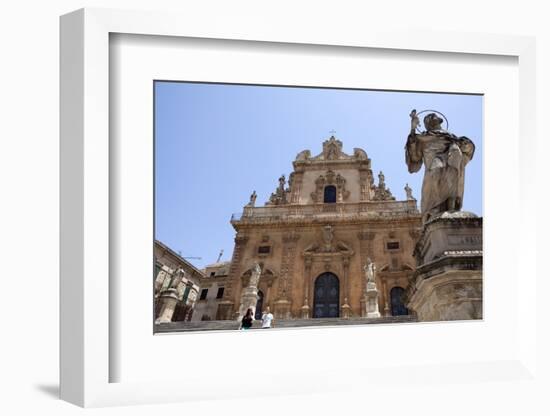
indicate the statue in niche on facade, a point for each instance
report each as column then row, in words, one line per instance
column 445, row 157
column 255, row 276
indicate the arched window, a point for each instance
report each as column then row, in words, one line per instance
column 330, row 194
column 397, row 305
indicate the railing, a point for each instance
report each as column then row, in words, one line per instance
column 289, row 212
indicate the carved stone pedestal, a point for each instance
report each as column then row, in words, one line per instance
column 305, row 312
column 371, row 302
column 281, row 309
column 249, row 299
column 346, row 311
column 168, row 300
column 448, row 279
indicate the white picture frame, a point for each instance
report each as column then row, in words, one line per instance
column 87, row 355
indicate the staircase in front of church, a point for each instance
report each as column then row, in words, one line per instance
column 280, row 323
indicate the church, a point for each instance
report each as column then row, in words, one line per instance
column 332, row 245
column 315, row 235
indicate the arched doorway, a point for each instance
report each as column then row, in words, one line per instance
column 397, row 306
column 259, row 305
column 326, row 296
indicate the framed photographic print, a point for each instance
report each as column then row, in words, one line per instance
column 343, row 175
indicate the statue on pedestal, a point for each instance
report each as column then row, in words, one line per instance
column 409, row 192
column 371, row 293
column 253, row 197
column 445, row 157
column 370, row 270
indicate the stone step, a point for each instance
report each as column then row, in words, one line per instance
column 279, row 323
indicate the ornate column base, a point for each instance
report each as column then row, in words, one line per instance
column 346, row 311
column 281, row 309
column 448, row 281
column 372, row 303
column 168, row 300
column 387, row 311
column 305, row 312
column 249, row 299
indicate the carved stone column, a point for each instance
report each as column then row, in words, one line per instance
column 346, row 309
column 282, row 306
column 386, row 297
column 227, row 306
column 307, row 282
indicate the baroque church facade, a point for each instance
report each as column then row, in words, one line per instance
column 315, row 237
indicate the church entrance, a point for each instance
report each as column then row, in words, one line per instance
column 326, row 296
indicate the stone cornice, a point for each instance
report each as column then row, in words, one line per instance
column 374, row 222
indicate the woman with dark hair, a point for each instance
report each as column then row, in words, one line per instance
column 248, row 318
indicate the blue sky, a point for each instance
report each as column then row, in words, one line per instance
column 216, row 143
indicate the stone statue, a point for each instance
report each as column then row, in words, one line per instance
column 371, row 293
column 409, row 191
column 281, row 187
column 252, row 199
column 381, row 180
column 255, row 276
column 370, row 271
column 445, row 157
column 176, row 278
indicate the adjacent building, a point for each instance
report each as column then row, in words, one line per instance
column 176, row 285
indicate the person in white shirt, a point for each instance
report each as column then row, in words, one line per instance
column 267, row 319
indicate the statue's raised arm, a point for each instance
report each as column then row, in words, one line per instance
column 413, row 152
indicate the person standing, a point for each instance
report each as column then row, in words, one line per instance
column 248, row 319
column 267, row 319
